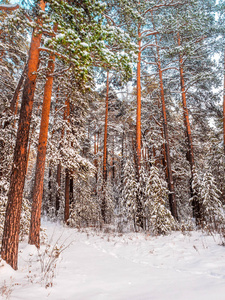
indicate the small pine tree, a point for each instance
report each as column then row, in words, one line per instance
column 129, row 192
column 208, row 196
column 84, row 209
column 159, row 217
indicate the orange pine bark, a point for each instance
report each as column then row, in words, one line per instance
column 9, row 250
column 224, row 105
column 190, row 153
column 34, row 233
column 138, row 117
column 172, row 200
column 14, row 102
column 185, row 110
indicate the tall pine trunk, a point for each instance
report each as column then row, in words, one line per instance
column 103, row 204
column 58, row 192
column 14, row 102
column 106, row 131
column 138, row 116
column 10, row 240
column 35, row 222
column 224, row 105
column 67, row 197
column 95, row 159
column 67, row 179
column 172, row 200
column 190, row 153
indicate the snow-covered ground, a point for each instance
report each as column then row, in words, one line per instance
column 112, row 266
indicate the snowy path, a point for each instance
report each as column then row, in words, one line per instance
column 132, row 266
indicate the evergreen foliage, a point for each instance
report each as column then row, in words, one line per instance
column 205, row 189
column 91, row 39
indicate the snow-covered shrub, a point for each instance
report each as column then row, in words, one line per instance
column 84, row 211
column 129, row 192
column 208, row 197
column 7, row 134
column 24, row 220
column 159, row 218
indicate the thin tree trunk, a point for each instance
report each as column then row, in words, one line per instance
column 14, row 102
column 190, row 152
column 10, row 240
column 58, row 171
column 103, row 204
column 28, row 150
column 122, row 157
column 71, row 190
column 186, row 114
column 224, row 105
column 138, row 117
column 95, row 159
column 139, row 220
column 58, row 180
column 50, row 186
column 113, row 161
column 106, row 131
column 67, row 179
column 35, row 222
column 67, row 197
column 172, row 200
column 28, row 155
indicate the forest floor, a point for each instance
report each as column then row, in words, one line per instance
column 113, row 266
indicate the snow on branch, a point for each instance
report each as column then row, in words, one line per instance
column 8, row 7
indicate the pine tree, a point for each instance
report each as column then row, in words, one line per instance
column 158, row 215
column 212, row 214
column 130, row 192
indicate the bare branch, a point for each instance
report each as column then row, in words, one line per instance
column 170, row 68
column 148, row 45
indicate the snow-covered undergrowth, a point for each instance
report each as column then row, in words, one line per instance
column 104, row 266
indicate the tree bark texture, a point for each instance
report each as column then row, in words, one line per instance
column 35, row 222
column 95, row 160
column 67, row 197
column 224, row 105
column 9, row 250
column 58, row 180
column 14, row 102
column 105, row 150
column 186, row 114
column 138, row 116
column 190, row 153
column 106, row 131
column 172, row 200
column 67, row 179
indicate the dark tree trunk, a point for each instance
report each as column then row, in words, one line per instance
column 67, row 197
column 106, row 131
column 71, row 190
column 105, row 150
column 14, row 102
column 58, row 180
